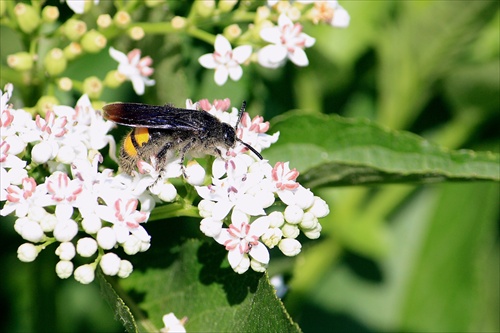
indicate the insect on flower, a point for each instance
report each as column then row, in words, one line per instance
column 160, row 130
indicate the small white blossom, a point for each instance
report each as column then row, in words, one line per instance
column 225, row 60
column 126, row 269
column 27, row 252
column 65, row 230
column 64, row 269
column 288, row 41
column 210, row 227
column 110, row 264
column 135, row 68
column 85, row 274
column 195, row 173
column 66, row 251
column 242, row 239
column 293, row 214
column 86, row 247
column 290, row 247
column 106, row 238
column 290, row 230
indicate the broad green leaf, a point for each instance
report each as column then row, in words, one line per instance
column 331, row 150
column 122, row 312
column 192, row 280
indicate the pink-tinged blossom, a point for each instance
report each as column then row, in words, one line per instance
column 21, row 200
column 63, row 193
column 241, row 239
column 283, row 177
column 135, row 68
column 288, row 41
column 225, row 60
column 126, row 218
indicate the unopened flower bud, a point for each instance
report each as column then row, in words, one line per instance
column 55, row 62
column 195, row 173
column 64, row 269
column 126, row 269
column 304, row 197
column 290, row 230
column 32, row 231
column 204, row 8
column 136, row 33
column 319, row 208
column 205, row 208
column 66, row 154
column 122, row 19
column 132, row 245
column 168, row 192
column 74, row 29
column 227, row 5
column 27, row 252
column 309, row 221
column 110, row 264
column 66, row 251
column 41, row 152
column 293, row 214
column 257, row 265
column 91, row 224
column 27, row 17
column 178, row 22
column 48, row 222
column 93, row 41
column 50, row 14
column 231, row 32
column 72, row 50
column 313, row 233
column 92, row 86
column 114, row 79
column 65, row 230
column 65, row 84
column 85, row 274
column 20, row 61
column 86, row 247
column 104, row 21
column 272, row 237
column 210, row 227
column 106, row 238
column 46, row 104
column 290, row 247
column 276, row 219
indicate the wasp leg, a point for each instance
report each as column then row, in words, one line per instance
column 183, row 152
column 161, row 156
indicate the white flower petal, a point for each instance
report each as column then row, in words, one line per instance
column 117, row 55
column 222, row 45
column 260, row 253
column 234, row 257
column 207, row 61
column 235, row 73
column 299, row 57
column 221, row 74
column 271, row 35
column 242, row 53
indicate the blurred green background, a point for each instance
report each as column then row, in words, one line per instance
column 397, row 258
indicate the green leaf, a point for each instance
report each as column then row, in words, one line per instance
column 122, row 312
column 193, row 280
column 331, row 150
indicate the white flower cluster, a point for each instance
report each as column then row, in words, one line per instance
column 249, row 188
column 87, row 211
column 286, row 40
column 90, row 211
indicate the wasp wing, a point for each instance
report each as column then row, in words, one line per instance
column 156, row 116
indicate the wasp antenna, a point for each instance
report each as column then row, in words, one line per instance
column 251, row 148
column 242, row 109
